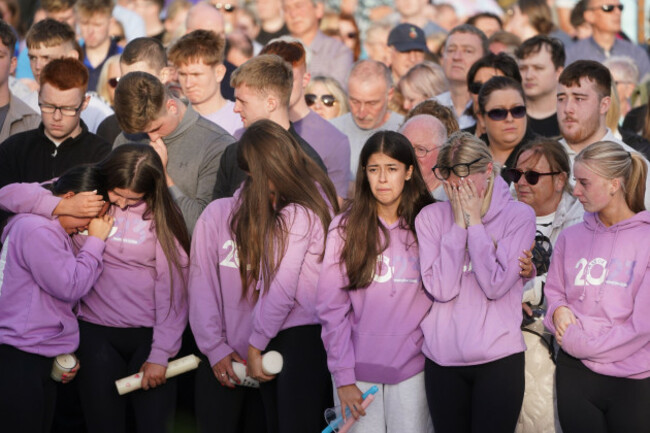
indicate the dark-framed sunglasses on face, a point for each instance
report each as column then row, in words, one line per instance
column 475, row 87
column 531, row 176
column 517, row 112
column 113, row 82
column 608, row 8
column 461, row 170
column 327, row 100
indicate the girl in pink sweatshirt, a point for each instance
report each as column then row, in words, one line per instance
column 598, row 290
column 469, row 250
column 370, row 296
column 253, row 284
column 41, row 279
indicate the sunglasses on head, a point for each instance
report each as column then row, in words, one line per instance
column 531, row 176
column 113, row 82
column 502, row 113
column 609, row 8
column 475, row 87
column 327, row 100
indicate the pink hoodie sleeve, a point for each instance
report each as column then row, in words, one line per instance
column 204, row 292
column 171, row 308
column 554, row 288
column 442, row 253
column 273, row 307
column 59, row 272
column 620, row 341
column 333, row 305
column 28, row 198
column 496, row 267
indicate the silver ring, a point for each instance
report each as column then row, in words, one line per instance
column 223, row 374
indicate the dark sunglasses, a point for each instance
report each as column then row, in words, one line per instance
column 475, row 87
column 350, row 35
column 532, row 177
column 501, row 113
column 460, row 170
column 609, row 8
column 327, row 100
column 113, row 82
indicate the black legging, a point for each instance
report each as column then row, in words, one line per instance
column 595, row 403
column 27, row 393
column 296, row 399
column 107, row 354
column 226, row 410
column 479, row 398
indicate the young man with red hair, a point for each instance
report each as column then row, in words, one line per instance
column 62, row 139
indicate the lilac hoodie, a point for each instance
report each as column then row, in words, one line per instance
column 40, row 282
column 601, row 274
column 373, row 334
column 473, row 276
column 291, row 298
column 221, row 318
column 134, row 288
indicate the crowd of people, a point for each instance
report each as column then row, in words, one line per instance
column 439, row 203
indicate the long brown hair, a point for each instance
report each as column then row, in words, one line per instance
column 277, row 165
column 138, row 168
column 364, row 238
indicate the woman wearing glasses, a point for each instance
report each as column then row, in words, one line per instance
column 370, row 297
column 541, row 180
column 469, row 249
column 599, row 297
column 502, row 112
column 326, row 97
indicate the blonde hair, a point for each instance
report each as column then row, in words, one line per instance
column 426, row 78
column 462, row 148
column 614, row 112
column 102, row 81
column 611, row 161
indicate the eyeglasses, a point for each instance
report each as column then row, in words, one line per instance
column 113, row 82
column 421, row 152
column 502, row 113
column 327, row 100
column 66, row 111
column 608, row 8
column 475, row 87
column 460, row 170
column 228, row 7
column 531, row 176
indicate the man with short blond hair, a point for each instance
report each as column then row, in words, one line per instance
column 263, row 88
column 198, row 57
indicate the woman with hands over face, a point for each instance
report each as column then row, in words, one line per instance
column 370, row 298
column 598, row 293
column 469, row 260
column 41, row 279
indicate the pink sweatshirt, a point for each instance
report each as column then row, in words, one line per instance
column 601, row 274
column 473, row 276
column 291, row 298
column 373, row 334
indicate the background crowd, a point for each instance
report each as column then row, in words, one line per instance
column 446, row 200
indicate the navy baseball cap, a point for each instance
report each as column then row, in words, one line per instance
column 407, row 37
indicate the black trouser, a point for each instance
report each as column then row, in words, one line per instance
column 27, row 393
column 226, row 410
column 107, row 354
column 476, row 398
column 595, row 403
column 295, row 401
